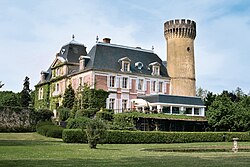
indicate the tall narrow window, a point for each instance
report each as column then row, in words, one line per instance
column 126, row 66
column 111, row 103
column 57, row 87
column 124, row 104
column 160, row 87
column 80, row 81
column 40, row 93
column 153, row 86
column 58, row 71
column 156, row 70
column 140, row 84
column 112, row 81
column 124, row 82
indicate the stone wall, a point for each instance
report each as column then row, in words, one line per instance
column 15, row 119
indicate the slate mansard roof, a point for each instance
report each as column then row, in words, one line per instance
column 172, row 99
column 105, row 57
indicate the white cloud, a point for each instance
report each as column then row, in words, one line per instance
column 33, row 31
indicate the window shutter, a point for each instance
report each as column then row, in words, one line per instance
column 130, row 83
column 108, row 80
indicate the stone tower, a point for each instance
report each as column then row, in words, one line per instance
column 180, row 35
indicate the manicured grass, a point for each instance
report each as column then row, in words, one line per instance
column 31, row 149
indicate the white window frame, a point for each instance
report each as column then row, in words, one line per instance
column 112, row 81
column 40, row 93
column 140, row 85
column 125, row 85
column 112, row 103
column 153, row 86
column 160, row 86
column 156, row 70
column 124, row 104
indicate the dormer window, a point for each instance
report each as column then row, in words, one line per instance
column 83, row 60
column 125, row 64
column 155, row 68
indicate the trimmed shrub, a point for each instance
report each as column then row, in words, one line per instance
column 74, row 136
column 135, row 137
column 76, row 123
column 49, row 129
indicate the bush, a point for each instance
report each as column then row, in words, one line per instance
column 74, row 136
column 135, row 137
column 76, row 123
column 42, row 115
column 123, row 122
column 89, row 112
column 49, row 129
column 63, row 113
column 95, row 130
column 105, row 115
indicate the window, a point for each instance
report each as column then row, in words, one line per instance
column 57, row 87
column 188, row 111
column 166, row 109
column 175, row 110
column 40, row 93
column 126, row 66
column 124, row 104
column 196, row 111
column 156, row 70
column 140, row 84
column 80, row 81
column 58, row 72
column 160, row 87
column 112, row 81
column 111, row 103
column 153, row 86
column 124, row 82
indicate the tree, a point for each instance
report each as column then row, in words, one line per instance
column 201, row 93
column 9, row 98
column 69, row 97
column 220, row 113
column 95, row 130
column 25, row 98
column 210, row 97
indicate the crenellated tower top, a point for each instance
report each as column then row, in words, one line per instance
column 180, row 28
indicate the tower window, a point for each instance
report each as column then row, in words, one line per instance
column 188, row 49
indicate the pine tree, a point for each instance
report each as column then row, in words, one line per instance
column 25, row 93
column 69, row 97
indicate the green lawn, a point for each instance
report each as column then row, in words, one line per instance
column 31, row 149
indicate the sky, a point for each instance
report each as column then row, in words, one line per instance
column 33, row 31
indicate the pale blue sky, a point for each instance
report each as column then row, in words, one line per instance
column 33, row 31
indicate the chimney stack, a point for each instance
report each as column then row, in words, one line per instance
column 106, row 40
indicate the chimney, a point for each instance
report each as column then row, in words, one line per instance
column 43, row 76
column 106, row 40
column 81, row 63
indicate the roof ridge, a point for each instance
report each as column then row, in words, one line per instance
column 125, row 47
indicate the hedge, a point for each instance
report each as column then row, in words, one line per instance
column 74, row 136
column 49, row 129
column 136, row 137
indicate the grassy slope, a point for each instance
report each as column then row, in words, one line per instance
column 31, row 149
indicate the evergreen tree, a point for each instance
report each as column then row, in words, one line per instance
column 25, row 97
column 69, row 97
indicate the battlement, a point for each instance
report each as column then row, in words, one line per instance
column 180, row 28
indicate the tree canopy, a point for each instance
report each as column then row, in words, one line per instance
column 25, row 98
column 69, row 97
